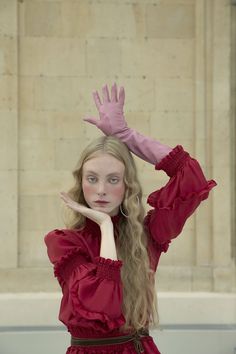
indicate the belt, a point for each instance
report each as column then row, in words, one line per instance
column 135, row 337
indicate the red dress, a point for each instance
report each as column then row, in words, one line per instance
column 91, row 285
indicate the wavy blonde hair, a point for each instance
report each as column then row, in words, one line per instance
column 139, row 294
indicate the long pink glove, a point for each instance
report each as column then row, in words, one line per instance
column 112, row 122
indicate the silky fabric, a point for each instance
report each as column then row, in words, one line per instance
column 91, row 285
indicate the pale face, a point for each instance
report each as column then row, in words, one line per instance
column 103, row 180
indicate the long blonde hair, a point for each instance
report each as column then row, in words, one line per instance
column 139, row 294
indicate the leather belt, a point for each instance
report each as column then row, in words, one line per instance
column 135, row 337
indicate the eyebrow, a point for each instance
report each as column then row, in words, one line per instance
column 109, row 174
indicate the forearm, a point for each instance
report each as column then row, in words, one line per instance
column 144, row 147
column 108, row 246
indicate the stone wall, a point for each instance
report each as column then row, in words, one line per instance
column 174, row 59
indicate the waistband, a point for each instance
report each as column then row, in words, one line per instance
column 135, row 337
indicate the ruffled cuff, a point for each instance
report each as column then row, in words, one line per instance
column 96, row 302
column 64, row 268
column 173, row 161
column 108, row 268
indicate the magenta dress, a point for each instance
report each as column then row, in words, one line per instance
column 91, row 285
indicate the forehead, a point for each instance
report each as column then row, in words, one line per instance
column 104, row 164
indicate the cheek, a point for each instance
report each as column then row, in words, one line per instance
column 87, row 189
column 119, row 192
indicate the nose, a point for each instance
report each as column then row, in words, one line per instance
column 101, row 189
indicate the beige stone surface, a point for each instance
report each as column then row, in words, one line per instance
column 174, row 59
column 37, row 154
column 170, row 21
column 105, row 19
column 42, row 18
column 103, row 57
column 158, row 57
column 8, row 219
column 8, row 89
column 49, row 183
column 8, row 55
column 39, row 212
column 8, row 138
column 52, row 56
column 70, row 94
column 8, row 13
column 179, row 278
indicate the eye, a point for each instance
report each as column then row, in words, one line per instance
column 91, row 179
column 114, row 180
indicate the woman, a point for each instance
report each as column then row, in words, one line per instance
column 106, row 258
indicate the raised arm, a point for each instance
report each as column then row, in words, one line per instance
column 112, row 122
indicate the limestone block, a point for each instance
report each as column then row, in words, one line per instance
column 8, row 140
column 32, row 248
column 202, row 278
column 222, row 19
column 175, row 94
column 222, row 92
column 40, row 212
column 70, row 125
column 222, row 249
column 203, row 231
column 67, row 153
column 223, row 279
column 150, row 181
column 8, row 89
column 221, row 203
column 37, row 125
column 42, row 18
column 8, row 17
column 27, row 93
column 140, row 94
column 8, row 219
column 76, row 18
column 221, row 147
column 91, row 133
column 170, row 21
column 103, row 57
column 181, row 251
column 36, row 154
column 161, row 58
column 69, row 94
column 169, row 278
column 52, row 56
column 171, row 125
column 8, row 55
column 99, row 19
column 34, row 183
column 140, row 121
column 35, row 279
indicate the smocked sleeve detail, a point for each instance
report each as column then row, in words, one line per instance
column 108, row 268
column 178, row 199
column 173, row 161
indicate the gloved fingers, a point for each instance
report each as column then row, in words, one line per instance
column 122, row 96
column 97, row 100
column 105, row 94
column 114, row 93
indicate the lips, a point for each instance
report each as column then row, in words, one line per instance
column 101, row 202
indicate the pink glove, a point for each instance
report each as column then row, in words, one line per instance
column 112, row 122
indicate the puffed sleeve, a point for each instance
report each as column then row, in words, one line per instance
column 93, row 284
column 177, row 200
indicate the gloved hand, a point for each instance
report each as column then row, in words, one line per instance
column 112, row 122
column 111, row 114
